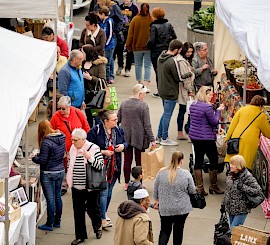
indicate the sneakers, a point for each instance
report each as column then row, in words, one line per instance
column 158, row 140
column 156, row 95
column 105, row 224
column 168, row 142
column 127, row 73
column 111, row 81
column 148, row 90
column 119, row 70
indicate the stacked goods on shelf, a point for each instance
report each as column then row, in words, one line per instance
column 229, row 66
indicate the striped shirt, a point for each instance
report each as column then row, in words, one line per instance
column 79, row 173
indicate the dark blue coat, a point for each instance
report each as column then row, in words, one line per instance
column 97, row 136
column 52, row 152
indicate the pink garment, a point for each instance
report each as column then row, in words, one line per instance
column 73, row 153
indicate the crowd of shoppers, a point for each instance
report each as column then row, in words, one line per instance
column 182, row 71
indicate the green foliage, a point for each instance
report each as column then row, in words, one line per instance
column 203, row 19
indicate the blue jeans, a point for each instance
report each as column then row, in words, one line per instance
column 168, row 106
column 110, row 64
column 51, row 185
column 236, row 220
column 105, row 198
column 142, row 58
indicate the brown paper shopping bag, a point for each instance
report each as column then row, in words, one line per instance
column 152, row 162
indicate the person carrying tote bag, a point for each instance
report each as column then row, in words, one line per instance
column 83, row 153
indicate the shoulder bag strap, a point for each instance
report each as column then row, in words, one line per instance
column 65, row 122
column 250, row 124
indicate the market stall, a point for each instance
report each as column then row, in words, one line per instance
column 245, row 26
column 26, row 65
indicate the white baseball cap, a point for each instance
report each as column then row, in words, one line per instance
column 141, row 193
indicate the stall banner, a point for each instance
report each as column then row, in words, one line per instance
column 249, row 236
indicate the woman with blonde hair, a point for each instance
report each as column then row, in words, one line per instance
column 248, row 145
column 203, row 123
column 239, row 182
column 171, row 193
column 51, row 160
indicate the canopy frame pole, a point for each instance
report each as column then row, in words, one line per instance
column 245, row 82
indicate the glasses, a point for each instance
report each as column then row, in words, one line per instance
column 74, row 140
column 208, row 90
column 62, row 108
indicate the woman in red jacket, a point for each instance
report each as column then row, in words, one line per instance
column 66, row 119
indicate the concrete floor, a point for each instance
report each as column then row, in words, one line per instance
column 199, row 228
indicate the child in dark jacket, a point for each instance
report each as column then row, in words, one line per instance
column 135, row 184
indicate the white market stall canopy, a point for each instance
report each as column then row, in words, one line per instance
column 25, row 66
column 249, row 24
column 29, row 9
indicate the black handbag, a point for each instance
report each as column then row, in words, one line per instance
column 233, row 143
column 254, row 201
column 94, row 99
column 222, row 228
column 197, row 200
column 95, row 179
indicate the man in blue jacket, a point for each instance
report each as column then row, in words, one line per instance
column 70, row 79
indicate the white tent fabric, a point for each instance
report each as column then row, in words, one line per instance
column 248, row 22
column 26, row 64
column 29, row 9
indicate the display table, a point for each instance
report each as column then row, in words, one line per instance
column 22, row 231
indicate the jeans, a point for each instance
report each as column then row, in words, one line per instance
column 110, row 64
column 180, row 117
column 236, row 220
column 177, row 222
column 168, row 106
column 209, row 148
column 105, row 198
column 51, row 185
column 140, row 58
column 128, row 160
column 84, row 200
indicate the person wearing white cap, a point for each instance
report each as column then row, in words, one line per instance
column 133, row 226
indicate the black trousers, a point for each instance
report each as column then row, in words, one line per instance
column 177, row 222
column 209, row 148
column 88, row 201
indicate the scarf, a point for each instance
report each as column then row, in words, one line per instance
column 110, row 162
column 235, row 176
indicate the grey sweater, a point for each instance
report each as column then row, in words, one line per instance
column 135, row 120
column 174, row 199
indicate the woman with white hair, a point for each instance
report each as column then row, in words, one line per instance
column 134, row 117
column 66, row 119
column 203, row 65
column 83, row 152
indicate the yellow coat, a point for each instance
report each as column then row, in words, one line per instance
column 248, row 145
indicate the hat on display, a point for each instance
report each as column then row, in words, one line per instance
column 141, row 193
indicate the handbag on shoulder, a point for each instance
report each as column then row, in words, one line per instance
column 94, row 99
column 95, row 179
column 233, row 143
column 254, row 201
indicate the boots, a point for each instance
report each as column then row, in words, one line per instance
column 213, row 188
column 199, row 181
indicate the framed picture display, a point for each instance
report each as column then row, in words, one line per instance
column 20, row 194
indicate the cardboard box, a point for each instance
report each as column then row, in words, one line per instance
column 243, row 235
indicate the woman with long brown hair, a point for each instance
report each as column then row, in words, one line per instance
column 51, row 160
column 171, row 193
column 138, row 35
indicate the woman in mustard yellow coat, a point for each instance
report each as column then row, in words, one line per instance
column 248, row 144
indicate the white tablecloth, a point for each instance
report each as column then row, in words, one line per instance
column 22, row 231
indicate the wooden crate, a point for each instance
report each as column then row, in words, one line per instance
column 15, row 215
